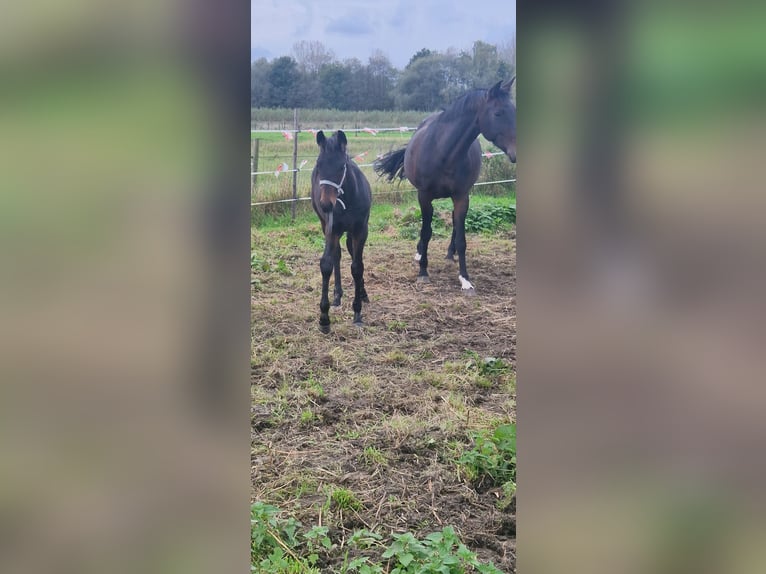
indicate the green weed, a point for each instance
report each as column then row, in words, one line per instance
column 283, row 546
column 492, row 460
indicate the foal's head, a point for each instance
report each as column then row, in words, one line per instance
column 497, row 118
column 331, row 167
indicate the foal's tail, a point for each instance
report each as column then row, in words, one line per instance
column 391, row 165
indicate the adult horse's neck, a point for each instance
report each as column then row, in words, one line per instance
column 461, row 124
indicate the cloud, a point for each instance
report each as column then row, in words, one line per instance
column 259, row 52
column 349, row 26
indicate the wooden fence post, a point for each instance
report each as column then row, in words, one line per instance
column 254, row 165
column 295, row 160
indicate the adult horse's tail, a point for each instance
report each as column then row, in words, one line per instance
column 391, row 165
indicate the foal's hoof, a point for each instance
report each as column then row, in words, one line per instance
column 469, row 292
column 336, row 303
column 450, row 257
column 358, row 324
column 424, row 279
column 324, row 329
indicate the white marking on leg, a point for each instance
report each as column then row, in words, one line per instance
column 418, row 257
column 466, row 284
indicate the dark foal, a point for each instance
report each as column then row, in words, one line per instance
column 443, row 159
column 341, row 197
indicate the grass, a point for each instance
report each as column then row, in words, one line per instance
column 360, row 431
column 387, row 219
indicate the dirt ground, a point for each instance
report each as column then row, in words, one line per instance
column 383, row 411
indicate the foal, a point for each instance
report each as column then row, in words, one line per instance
column 341, row 197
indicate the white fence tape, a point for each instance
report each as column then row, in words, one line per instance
column 378, row 193
column 275, row 172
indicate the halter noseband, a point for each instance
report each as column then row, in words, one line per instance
column 337, row 186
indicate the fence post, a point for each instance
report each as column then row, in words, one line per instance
column 295, row 160
column 254, row 165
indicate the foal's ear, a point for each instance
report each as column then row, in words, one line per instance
column 508, row 84
column 320, row 138
column 342, row 141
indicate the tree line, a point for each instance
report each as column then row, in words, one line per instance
column 312, row 77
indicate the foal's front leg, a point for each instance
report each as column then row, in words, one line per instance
column 338, row 292
column 326, row 266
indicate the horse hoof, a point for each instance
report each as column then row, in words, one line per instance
column 469, row 292
column 324, row 329
column 450, row 258
column 424, row 279
column 358, row 324
column 336, row 303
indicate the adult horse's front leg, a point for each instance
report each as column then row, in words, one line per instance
column 427, row 210
column 357, row 272
column 451, row 248
column 460, row 209
column 326, row 266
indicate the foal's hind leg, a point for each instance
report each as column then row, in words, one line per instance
column 350, row 247
column 357, row 271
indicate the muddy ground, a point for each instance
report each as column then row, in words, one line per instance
column 383, row 411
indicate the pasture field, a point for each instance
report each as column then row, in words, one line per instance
column 393, row 445
column 274, row 149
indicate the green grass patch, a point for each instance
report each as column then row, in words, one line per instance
column 492, row 459
column 282, row 545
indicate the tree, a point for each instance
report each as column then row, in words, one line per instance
column 422, row 53
column 311, row 55
column 423, row 84
column 382, row 78
column 506, row 51
column 333, row 81
column 259, row 82
column 284, row 80
column 485, row 65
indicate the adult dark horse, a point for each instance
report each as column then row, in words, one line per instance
column 341, row 197
column 443, row 159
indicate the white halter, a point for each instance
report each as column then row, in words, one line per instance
column 337, row 186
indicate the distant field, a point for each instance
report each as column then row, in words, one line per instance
column 279, row 119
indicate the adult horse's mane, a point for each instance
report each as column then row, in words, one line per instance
column 467, row 103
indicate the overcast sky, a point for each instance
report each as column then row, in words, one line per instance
column 354, row 28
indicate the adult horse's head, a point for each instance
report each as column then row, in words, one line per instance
column 497, row 118
column 331, row 169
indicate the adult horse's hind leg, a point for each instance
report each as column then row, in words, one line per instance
column 338, row 291
column 427, row 210
column 357, row 272
column 460, row 205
